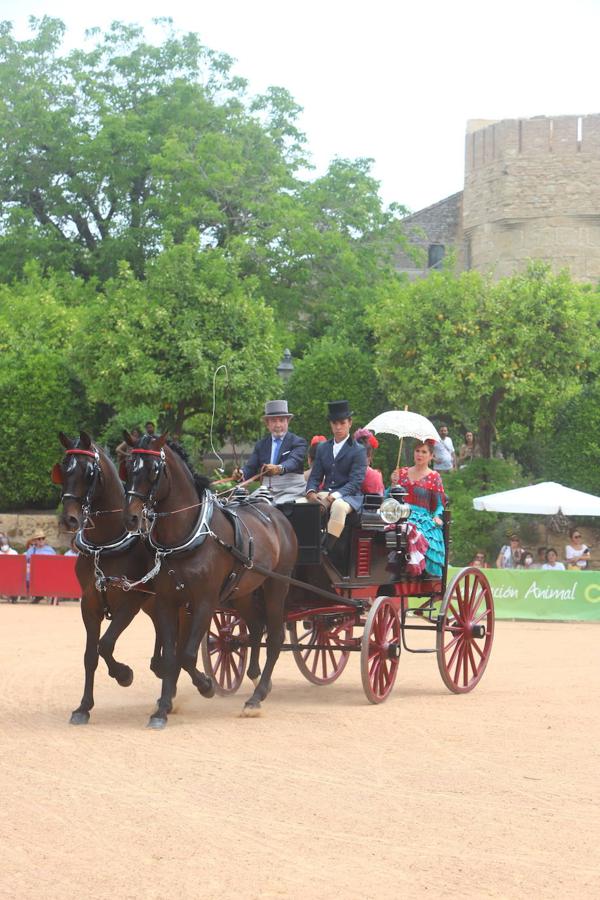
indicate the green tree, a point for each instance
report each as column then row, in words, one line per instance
column 164, row 338
column 471, row 350
column 106, row 151
column 332, row 370
column 39, row 388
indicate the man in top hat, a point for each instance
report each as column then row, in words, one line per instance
column 279, row 457
column 338, row 470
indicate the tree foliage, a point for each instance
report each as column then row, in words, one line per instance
column 332, row 370
column 39, row 385
column 164, row 338
column 471, row 350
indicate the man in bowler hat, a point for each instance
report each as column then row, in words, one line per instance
column 278, row 457
column 338, row 471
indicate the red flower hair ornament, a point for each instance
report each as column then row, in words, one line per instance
column 366, row 437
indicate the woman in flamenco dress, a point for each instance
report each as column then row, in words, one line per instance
column 425, row 494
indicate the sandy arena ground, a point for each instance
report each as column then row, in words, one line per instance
column 492, row 794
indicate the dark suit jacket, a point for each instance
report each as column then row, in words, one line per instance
column 291, row 455
column 344, row 474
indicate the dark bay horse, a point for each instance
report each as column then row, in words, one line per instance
column 94, row 506
column 191, row 534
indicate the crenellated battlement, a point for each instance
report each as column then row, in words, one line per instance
column 487, row 142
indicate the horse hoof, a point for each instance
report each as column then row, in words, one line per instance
column 251, row 712
column 126, row 680
column 208, row 691
column 79, row 718
column 157, row 724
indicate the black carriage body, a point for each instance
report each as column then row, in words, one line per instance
column 367, row 561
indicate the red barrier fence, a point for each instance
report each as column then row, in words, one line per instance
column 49, row 576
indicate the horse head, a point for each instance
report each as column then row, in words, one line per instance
column 79, row 474
column 146, row 471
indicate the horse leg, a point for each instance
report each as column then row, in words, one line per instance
column 275, row 594
column 122, row 617
column 92, row 620
column 167, row 626
column 189, row 655
column 255, row 633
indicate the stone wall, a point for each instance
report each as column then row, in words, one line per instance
column 532, row 191
column 21, row 526
column 440, row 223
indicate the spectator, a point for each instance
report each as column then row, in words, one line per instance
column 527, row 560
column 123, row 449
column 373, row 483
column 447, row 441
column 312, row 452
column 552, row 560
column 37, row 546
column 541, row 557
column 468, row 451
column 443, row 452
column 5, row 548
column 148, row 434
column 577, row 554
column 479, row 560
column 510, row 554
column 72, row 551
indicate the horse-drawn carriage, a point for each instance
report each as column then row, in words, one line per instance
column 359, row 599
column 224, row 572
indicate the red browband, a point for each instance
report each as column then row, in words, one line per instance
column 142, row 450
column 83, row 452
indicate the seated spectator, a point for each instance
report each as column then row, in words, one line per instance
column 373, row 483
column 541, row 557
column 552, row 560
column 527, row 561
column 479, row 560
column 37, row 546
column 469, row 450
column 577, row 554
column 123, row 449
column 5, row 548
column 72, row 551
column 312, row 452
column 510, row 554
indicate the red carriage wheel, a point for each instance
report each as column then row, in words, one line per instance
column 380, row 652
column 225, row 650
column 321, row 656
column 465, row 630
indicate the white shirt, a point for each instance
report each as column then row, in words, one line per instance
column 338, row 447
column 557, row 565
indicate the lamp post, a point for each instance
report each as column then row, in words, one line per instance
column 286, row 366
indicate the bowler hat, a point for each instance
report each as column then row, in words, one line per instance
column 277, row 408
column 339, row 409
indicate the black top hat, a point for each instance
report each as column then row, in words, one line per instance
column 339, row 409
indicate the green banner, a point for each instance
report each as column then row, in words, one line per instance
column 542, row 594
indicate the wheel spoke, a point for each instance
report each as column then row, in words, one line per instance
column 453, row 611
column 452, row 642
column 476, row 601
column 472, row 660
column 481, row 616
column 475, row 646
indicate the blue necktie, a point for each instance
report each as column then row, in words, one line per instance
column 275, row 449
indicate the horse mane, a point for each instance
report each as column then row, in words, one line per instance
column 201, row 482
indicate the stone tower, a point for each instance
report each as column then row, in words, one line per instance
column 532, row 191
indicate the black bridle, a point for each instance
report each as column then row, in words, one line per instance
column 150, row 499
column 91, row 476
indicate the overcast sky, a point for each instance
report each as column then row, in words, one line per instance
column 392, row 81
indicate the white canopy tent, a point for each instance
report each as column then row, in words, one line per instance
column 545, row 499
